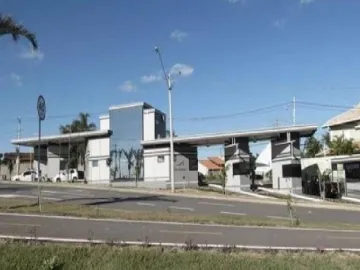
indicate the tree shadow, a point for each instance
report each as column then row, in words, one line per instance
column 112, row 200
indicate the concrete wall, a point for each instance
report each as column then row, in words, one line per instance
column 157, row 168
column 97, row 153
column 203, row 169
column 104, row 122
column 279, row 182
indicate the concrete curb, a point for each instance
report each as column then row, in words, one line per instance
column 296, row 196
column 322, row 205
column 175, row 245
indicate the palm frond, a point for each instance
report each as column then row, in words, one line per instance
column 8, row 26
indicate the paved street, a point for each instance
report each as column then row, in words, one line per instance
column 61, row 227
column 150, row 202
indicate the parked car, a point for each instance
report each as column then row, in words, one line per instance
column 64, row 176
column 27, row 176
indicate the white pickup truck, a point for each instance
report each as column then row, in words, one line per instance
column 63, row 176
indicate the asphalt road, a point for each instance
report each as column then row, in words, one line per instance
column 38, row 226
column 150, row 202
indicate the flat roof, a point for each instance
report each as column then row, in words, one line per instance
column 221, row 138
column 129, row 105
column 346, row 159
column 62, row 138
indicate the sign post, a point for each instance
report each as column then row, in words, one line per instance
column 41, row 109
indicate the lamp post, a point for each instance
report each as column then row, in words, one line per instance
column 169, row 85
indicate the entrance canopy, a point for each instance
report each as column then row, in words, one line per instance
column 63, row 138
column 221, row 138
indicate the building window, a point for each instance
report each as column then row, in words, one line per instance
column 160, row 159
column 95, row 163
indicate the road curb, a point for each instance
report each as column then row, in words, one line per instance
column 324, row 205
column 189, row 246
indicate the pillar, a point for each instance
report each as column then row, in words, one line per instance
column 237, row 164
column 286, row 162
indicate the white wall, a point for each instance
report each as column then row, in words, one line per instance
column 149, row 124
column 203, row 169
column 346, row 130
column 154, row 169
column 104, row 122
column 98, row 151
column 280, row 182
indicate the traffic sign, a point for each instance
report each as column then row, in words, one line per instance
column 41, row 108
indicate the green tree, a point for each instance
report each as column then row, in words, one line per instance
column 326, row 139
column 119, row 155
column 168, row 133
column 312, row 147
column 129, row 158
column 139, row 159
column 78, row 151
column 341, row 146
column 8, row 26
column 223, row 177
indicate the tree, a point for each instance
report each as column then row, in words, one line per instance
column 8, row 26
column 341, row 146
column 138, row 156
column 119, row 154
column 222, row 174
column 10, row 164
column 129, row 158
column 81, row 124
column 168, row 133
column 312, row 147
column 326, row 140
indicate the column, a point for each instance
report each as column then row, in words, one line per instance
column 286, row 162
column 237, row 164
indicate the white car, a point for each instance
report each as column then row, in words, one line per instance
column 27, row 176
column 64, row 176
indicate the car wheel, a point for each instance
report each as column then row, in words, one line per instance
column 58, row 180
column 74, row 179
column 17, row 179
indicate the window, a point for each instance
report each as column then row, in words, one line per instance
column 27, row 173
column 160, row 159
column 95, row 163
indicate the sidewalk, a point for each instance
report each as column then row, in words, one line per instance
column 197, row 194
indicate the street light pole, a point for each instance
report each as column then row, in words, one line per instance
column 169, row 85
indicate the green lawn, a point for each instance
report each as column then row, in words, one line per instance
column 105, row 257
column 12, row 205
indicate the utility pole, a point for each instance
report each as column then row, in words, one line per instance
column 294, row 112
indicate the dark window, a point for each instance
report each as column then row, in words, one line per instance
column 240, row 168
column 160, row 159
column 291, row 170
column 95, row 163
column 27, row 173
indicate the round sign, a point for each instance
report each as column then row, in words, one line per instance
column 41, row 108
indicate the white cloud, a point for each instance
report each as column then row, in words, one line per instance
column 182, row 70
column 16, row 78
column 279, row 23
column 179, row 35
column 32, row 55
column 306, row 2
column 128, row 86
column 176, row 70
column 150, row 78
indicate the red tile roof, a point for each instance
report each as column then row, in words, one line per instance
column 217, row 161
column 210, row 165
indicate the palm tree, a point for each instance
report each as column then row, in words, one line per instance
column 341, row 146
column 113, row 154
column 129, row 157
column 119, row 154
column 312, row 147
column 81, row 124
column 138, row 156
column 9, row 27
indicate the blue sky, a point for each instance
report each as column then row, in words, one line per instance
column 235, row 56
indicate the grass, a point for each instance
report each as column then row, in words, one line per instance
column 18, row 255
column 12, row 205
